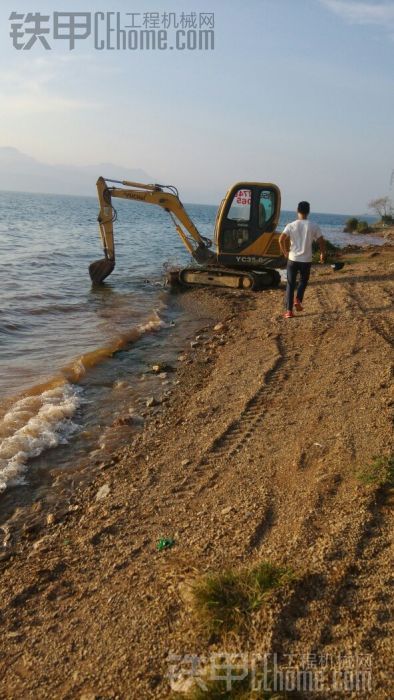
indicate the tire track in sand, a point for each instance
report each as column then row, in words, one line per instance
column 241, row 430
column 380, row 324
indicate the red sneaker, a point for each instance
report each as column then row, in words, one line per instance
column 288, row 314
column 298, row 306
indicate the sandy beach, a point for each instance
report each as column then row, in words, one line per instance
column 252, row 455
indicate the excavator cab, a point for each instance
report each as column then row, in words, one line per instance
column 246, row 224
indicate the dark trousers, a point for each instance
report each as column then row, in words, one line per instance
column 293, row 267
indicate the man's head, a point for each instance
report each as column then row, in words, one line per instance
column 303, row 210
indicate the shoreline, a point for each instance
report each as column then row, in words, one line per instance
column 127, row 400
column 252, row 454
column 379, row 231
column 386, row 231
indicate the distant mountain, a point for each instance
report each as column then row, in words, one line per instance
column 20, row 172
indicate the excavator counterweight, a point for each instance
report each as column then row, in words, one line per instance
column 247, row 251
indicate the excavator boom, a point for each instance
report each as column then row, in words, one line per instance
column 161, row 195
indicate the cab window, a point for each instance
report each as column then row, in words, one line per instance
column 240, row 206
column 266, row 207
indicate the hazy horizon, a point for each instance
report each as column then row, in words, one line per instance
column 365, row 213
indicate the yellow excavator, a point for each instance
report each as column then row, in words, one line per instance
column 246, row 252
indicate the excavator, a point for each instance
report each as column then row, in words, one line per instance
column 246, row 253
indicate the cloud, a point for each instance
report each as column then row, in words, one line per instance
column 379, row 14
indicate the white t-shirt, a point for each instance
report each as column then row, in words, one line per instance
column 302, row 233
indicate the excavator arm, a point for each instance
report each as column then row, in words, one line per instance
column 161, row 195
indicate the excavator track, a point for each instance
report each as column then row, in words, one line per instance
column 223, row 277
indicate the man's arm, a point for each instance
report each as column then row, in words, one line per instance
column 322, row 247
column 321, row 242
column 283, row 244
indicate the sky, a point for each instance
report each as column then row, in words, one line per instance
column 296, row 92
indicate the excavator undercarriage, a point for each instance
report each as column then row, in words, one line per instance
column 222, row 277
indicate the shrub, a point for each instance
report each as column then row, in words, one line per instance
column 351, row 225
column 387, row 219
column 225, row 601
column 379, row 472
column 363, row 227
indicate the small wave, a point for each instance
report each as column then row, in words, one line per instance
column 11, row 327
column 78, row 368
column 33, row 425
column 56, row 308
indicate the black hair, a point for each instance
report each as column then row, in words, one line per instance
column 304, row 208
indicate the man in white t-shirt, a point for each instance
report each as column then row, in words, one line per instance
column 301, row 234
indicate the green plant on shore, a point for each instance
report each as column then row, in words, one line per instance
column 351, row 225
column 379, row 472
column 225, row 601
column 363, row 227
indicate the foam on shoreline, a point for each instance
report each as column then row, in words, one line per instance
column 42, row 417
column 32, row 425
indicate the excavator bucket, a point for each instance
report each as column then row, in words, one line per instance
column 100, row 269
